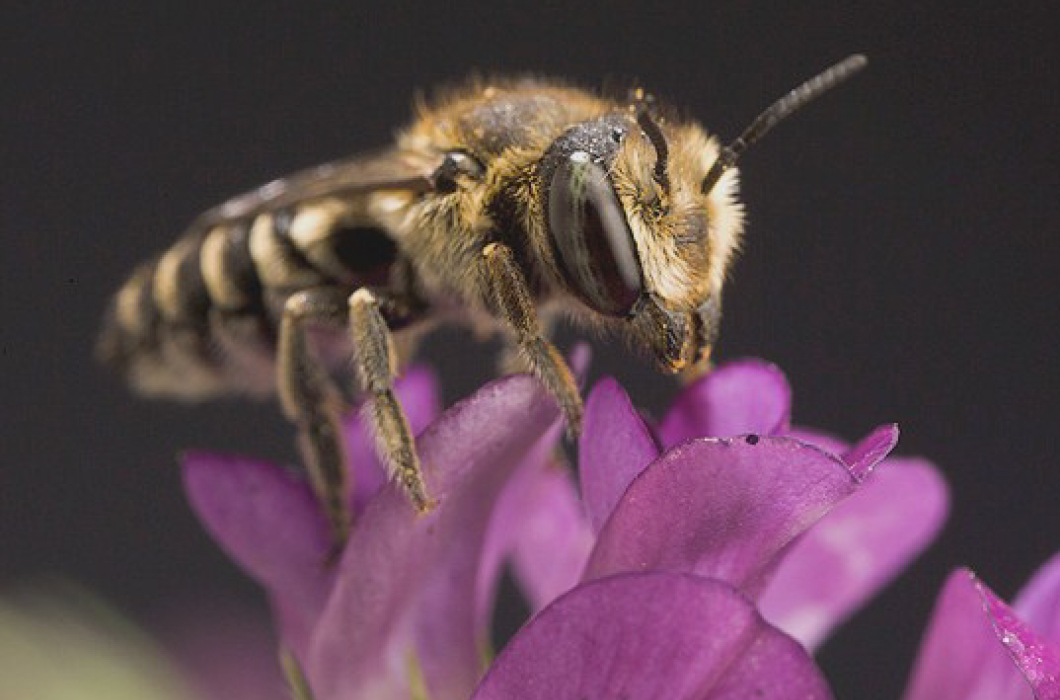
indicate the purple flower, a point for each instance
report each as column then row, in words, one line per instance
column 805, row 525
column 401, row 610
column 676, row 547
column 690, row 567
column 651, row 635
column 977, row 647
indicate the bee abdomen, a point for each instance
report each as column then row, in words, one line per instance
column 159, row 352
column 201, row 320
column 166, row 327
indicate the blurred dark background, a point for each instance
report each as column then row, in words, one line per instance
column 900, row 263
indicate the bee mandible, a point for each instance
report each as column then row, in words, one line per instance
column 503, row 204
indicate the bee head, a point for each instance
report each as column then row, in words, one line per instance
column 643, row 219
column 632, row 234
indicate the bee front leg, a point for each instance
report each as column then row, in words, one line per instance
column 375, row 361
column 513, row 300
column 311, row 401
column 706, row 319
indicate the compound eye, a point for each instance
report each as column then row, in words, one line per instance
column 590, row 236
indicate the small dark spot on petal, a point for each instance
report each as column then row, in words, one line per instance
column 752, row 439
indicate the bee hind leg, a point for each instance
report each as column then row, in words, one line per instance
column 312, row 402
column 511, row 295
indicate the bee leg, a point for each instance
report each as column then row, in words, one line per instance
column 375, row 361
column 512, row 359
column 511, row 294
column 311, row 401
column 297, row 683
column 706, row 321
column 695, row 371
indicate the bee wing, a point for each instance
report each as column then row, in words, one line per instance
column 385, row 170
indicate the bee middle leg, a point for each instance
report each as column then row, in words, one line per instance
column 511, row 294
column 375, row 362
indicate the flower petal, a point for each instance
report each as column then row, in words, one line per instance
column 815, row 436
column 721, row 508
column 863, row 456
column 746, row 396
column 226, row 653
column 856, row 549
column 540, row 523
column 1037, row 659
column 417, row 391
column 975, row 649
column 651, row 636
column 615, row 446
column 1039, row 601
column 267, row 520
column 871, row 450
column 374, row 631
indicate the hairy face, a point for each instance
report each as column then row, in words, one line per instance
column 632, row 234
column 685, row 239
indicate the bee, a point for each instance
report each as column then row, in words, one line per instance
column 501, row 205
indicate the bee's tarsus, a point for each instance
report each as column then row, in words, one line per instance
column 294, row 675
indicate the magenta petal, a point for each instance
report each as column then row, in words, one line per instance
column 553, row 539
column 1037, row 659
column 649, row 637
column 374, row 629
column 1039, row 601
column 975, row 648
column 720, row 508
column 538, row 526
column 747, row 396
column 225, row 654
column 417, row 391
column 871, row 450
column 615, row 446
column 843, row 560
column 449, row 632
column 814, row 436
column 578, row 359
column 267, row 520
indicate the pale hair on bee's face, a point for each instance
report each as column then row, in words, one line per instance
column 685, row 239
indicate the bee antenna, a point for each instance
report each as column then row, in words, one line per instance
column 780, row 110
column 641, row 105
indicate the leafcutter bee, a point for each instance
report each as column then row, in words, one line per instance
column 502, row 203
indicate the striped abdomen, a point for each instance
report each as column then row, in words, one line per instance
column 202, row 318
